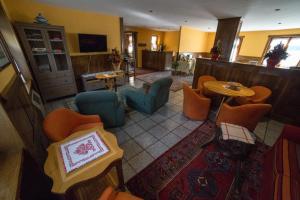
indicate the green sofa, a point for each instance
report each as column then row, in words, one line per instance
column 106, row 104
column 148, row 101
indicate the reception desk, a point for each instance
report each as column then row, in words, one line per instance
column 284, row 83
column 156, row 60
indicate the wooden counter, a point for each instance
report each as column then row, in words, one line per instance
column 284, row 83
column 156, row 60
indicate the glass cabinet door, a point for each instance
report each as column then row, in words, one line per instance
column 39, row 49
column 58, row 49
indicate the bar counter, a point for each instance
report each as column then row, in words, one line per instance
column 284, row 83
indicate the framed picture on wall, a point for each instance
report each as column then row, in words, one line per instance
column 4, row 60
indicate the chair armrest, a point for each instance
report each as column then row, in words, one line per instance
column 84, row 119
column 291, row 133
column 108, row 194
column 135, row 93
column 198, row 91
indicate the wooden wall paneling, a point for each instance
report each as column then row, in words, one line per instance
column 284, row 83
column 89, row 63
column 27, row 120
column 227, row 31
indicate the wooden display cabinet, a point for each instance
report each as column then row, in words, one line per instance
column 46, row 50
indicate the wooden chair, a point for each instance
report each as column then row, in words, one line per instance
column 62, row 122
column 195, row 105
column 110, row 194
column 261, row 95
column 247, row 115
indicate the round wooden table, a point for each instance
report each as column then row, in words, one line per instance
column 228, row 89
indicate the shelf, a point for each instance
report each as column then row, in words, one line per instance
column 58, row 53
column 56, row 40
column 39, row 54
column 31, row 39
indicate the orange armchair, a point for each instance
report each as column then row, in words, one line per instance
column 110, row 194
column 245, row 115
column 200, row 85
column 195, row 105
column 62, row 122
column 261, row 95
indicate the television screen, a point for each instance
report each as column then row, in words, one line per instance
column 92, row 43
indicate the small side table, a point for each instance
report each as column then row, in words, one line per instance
column 62, row 181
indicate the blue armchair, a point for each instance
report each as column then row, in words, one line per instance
column 148, row 102
column 106, row 104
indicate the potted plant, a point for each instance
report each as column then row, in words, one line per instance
column 175, row 65
column 275, row 55
column 216, row 51
column 115, row 59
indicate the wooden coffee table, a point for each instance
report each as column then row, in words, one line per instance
column 62, row 181
column 110, row 78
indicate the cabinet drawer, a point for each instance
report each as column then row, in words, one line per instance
column 56, row 82
column 59, row 91
column 64, row 73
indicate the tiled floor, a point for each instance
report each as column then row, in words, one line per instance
column 145, row 137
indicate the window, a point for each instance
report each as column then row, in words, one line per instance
column 130, row 45
column 292, row 43
column 154, row 42
column 236, row 48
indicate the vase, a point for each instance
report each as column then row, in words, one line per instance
column 215, row 56
column 272, row 62
column 116, row 66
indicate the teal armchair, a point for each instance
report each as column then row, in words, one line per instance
column 106, row 104
column 148, row 102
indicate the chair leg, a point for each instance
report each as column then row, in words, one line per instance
column 266, row 130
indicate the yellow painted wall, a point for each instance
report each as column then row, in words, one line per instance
column 144, row 36
column 74, row 21
column 254, row 42
column 192, row 40
column 171, row 40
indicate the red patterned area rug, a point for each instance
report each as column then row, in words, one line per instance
column 187, row 171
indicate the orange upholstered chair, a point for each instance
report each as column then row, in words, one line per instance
column 261, row 95
column 200, row 84
column 247, row 115
column 62, row 122
column 110, row 194
column 195, row 105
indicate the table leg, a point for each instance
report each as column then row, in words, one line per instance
column 217, row 114
column 115, row 84
column 120, row 175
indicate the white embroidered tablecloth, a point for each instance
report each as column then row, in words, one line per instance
column 82, row 150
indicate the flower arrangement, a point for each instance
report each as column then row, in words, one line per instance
column 275, row 55
column 115, row 58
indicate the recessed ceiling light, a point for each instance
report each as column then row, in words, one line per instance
column 279, row 23
column 277, row 9
column 185, row 21
column 208, row 27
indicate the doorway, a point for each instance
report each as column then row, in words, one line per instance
column 130, row 46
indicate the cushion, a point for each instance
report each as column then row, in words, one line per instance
column 87, row 126
column 287, row 154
